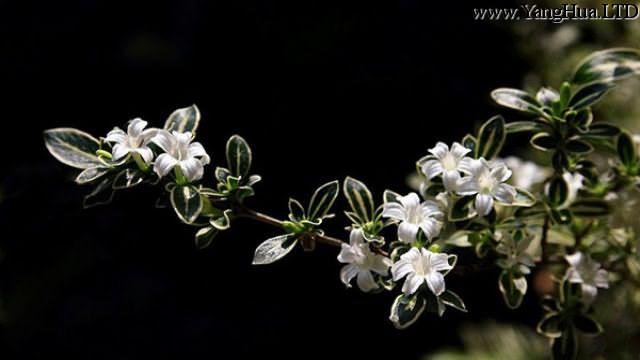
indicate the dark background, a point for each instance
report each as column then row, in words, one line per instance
column 320, row 89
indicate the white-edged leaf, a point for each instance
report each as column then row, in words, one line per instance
column 608, row 65
column 91, row 174
column 359, row 198
column 406, row 309
column 274, row 249
column 186, row 202
column 453, row 300
column 128, row 178
column 73, row 147
column 322, row 200
column 205, row 236
column 183, row 120
column 516, row 99
column 238, row 156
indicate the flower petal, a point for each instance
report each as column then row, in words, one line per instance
column 589, row 292
column 450, row 180
column 484, row 204
column 346, row 255
column 467, row 186
column 116, row 135
column 381, row 264
column 504, row 193
column 356, row 237
column 120, row 151
column 192, row 169
column 365, row 281
column 435, row 282
column 196, row 149
column 459, row 151
column 347, row 273
column 409, row 201
column 412, row 283
column 165, row 141
column 400, row 269
column 440, row 262
column 393, row 210
column 407, row 232
column 432, row 168
column 145, row 152
column 440, row 150
column 430, row 227
column 164, row 163
column 135, row 127
column 500, row 172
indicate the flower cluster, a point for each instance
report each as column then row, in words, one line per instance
column 502, row 211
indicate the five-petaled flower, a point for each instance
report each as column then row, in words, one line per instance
column 486, row 181
column 135, row 140
column 585, row 271
column 414, row 216
column 445, row 162
column 421, row 266
column 180, row 151
column 361, row 261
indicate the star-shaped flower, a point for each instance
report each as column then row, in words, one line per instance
column 486, row 181
column 180, row 151
column 361, row 262
column 445, row 162
column 135, row 140
column 414, row 215
column 585, row 271
column 421, row 266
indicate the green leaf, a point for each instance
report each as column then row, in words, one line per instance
column 578, row 147
column 516, row 99
column 543, row 141
column 581, row 119
column 73, row 147
column 461, row 209
column 587, row 324
column 470, row 142
column 590, row 208
column 238, row 156
column 524, row 126
column 222, row 174
column 452, row 299
column 589, row 95
column 101, row 194
column 222, row 221
column 550, row 325
column 561, row 216
column 128, row 178
column 90, row 174
column 523, row 198
column 491, row 138
column 183, row 120
column 186, row 202
column 607, row 66
column 274, row 249
column 603, row 130
column 565, row 347
column 359, row 198
column 322, row 200
column 390, row 196
column 511, row 289
column 205, row 236
column 558, row 191
column 406, row 309
column 627, row 151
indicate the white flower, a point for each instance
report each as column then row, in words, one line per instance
column 135, row 140
column 446, row 163
column 414, row 216
column 574, row 183
column 420, row 266
column 487, row 183
column 516, row 252
column 361, row 262
column 585, row 271
column 526, row 174
column 180, row 151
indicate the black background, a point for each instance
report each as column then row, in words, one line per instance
column 320, row 89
